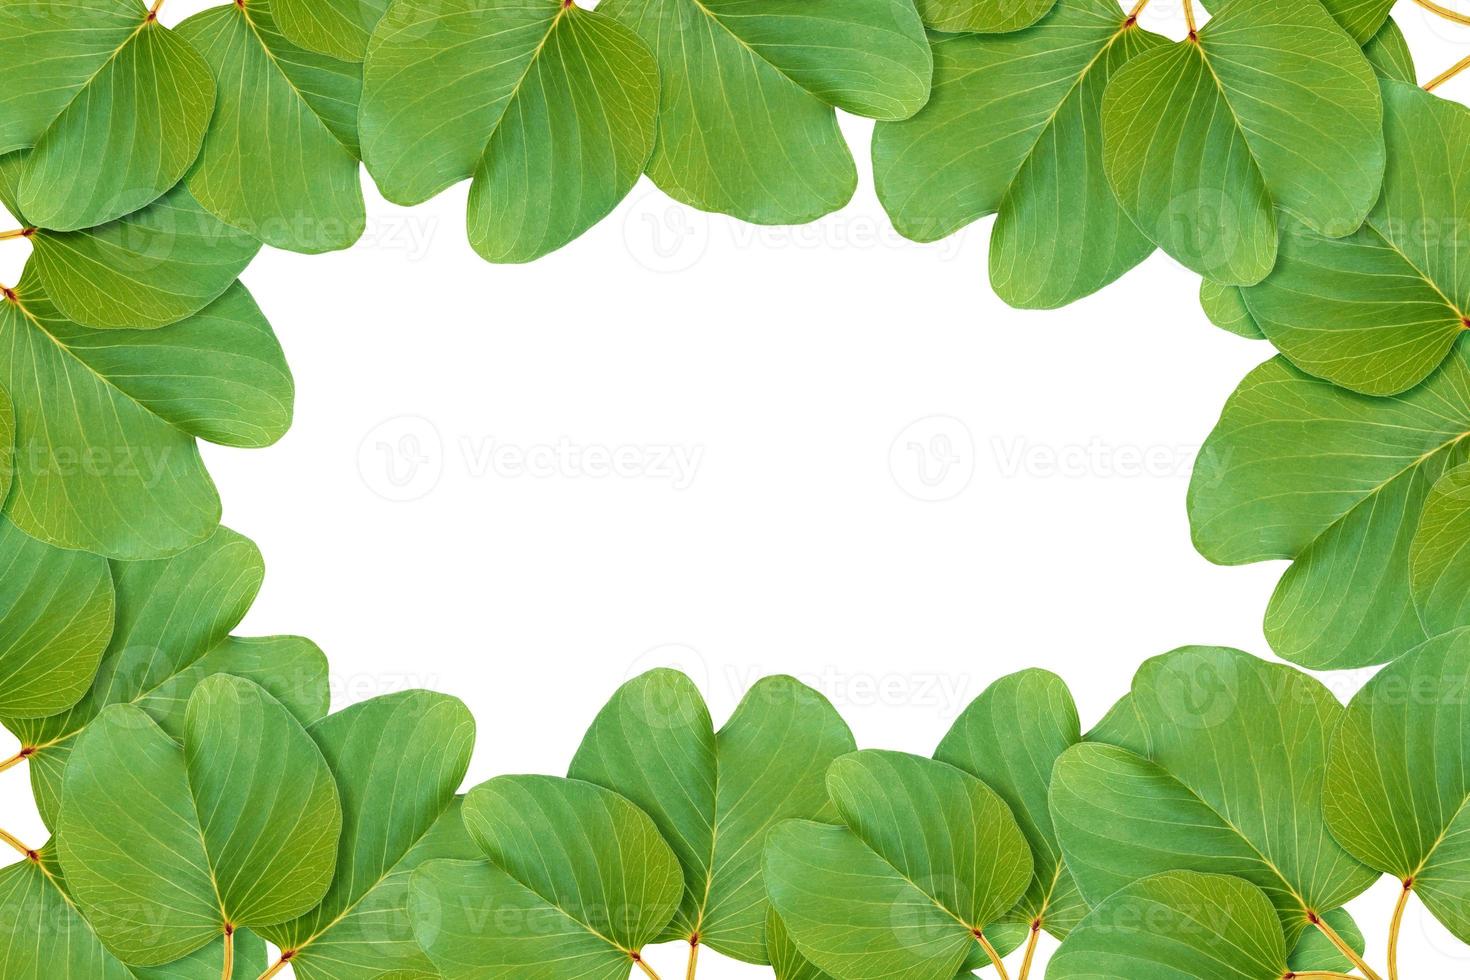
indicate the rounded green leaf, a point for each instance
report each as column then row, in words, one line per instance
column 115, row 105
column 983, row 16
column 1173, row 926
column 55, row 621
column 1015, row 126
column 576, row 883
column 1314, row 951
column 1398, row 777
column 1203, row 139
column 548, row 107
column 1439, row 565
column 1226, row 309
column 106, row 420
column 280, row 160
column 339, row 28
column 1299, row 468
column 745, row 123
column 1388, row 52
column 930, row 858
column 715, row 796
column 1010, row 737
column 786, row 960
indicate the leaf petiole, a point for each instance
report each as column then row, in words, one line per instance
column 1396, row 927
column 1190, row 21
column 276, row 967
column 1446, row 75
column 693, row 958
column 1136, row 12
column 1343, row 947
column 229, row 970
column 1321, row 975
column 15, row 842
column 1030, row 956
column 652, row 975
column 995, row 957
column 16, row 233
column 1444, row 12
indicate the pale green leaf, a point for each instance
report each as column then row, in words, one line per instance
column 114, row 104
column 1388, row 52
column 1439, row 558
column 1232, row 785
column 786, row 960
column 280, row 160
column 576, row 882
column 929, row 859
column 1398, row 777
column 1361, row 18
column 1273, row 105
column 1014, row 126
column 983, row 16
column 339, row 28
column 746, row 125
column 1010, row 738
column 1299, row 468
column 715, row 796
column 106, row 420
column 398, row 760
column 1314, row 951
column 166, row 847
column 549, row 108
column 1121, row 727
column 1226, row 309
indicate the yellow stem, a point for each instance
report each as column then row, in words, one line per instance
column 229, row 953
column 23, row 754
column 1031, row 942
column 6, row 236
column 1397, row 927
column 1344, row 948
column 1444, row 12
column 1323, row 975
column 153, row 10
column 1446, row 75
column 275, row 968
column 693, row 959
column 1137, row 11
column 1189, row 20
column 645, row 967
column 1000, row 966
column 14, row 842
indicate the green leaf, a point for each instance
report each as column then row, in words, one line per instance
column 1299, row 468
column 280, row 160
column 106, row 420
column 1010, row 738
column 1273, row 106
column 1314, row 951
column 1439, row 567
column 549, row 108
column 746, row 125
column 983, row 16
column 173, row 618
column 715, row 796
column 576, row 883
column 43, row 936
column 929, row 860
column 786, row 960
column 1226, row 309
column 1363, row 19
column 337, row 28
column 1388, row 52
column 55, row 620
column 398, row 760
column 1173, row 926
column 1379, row 310
column 1015, row 126
column 1232, row 785
column 1398, row 777
column 114, row 104
column 1121, row 727
column 166, row 847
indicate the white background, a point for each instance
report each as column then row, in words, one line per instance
column 894, row 487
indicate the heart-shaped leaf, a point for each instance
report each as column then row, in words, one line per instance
column 1439, row 561
column 746, row 125
column 1203, row 139
column 1010, row 738
column 576, row 881
column 168, row 847
column 398, row 760
column 548, row 107
column 1398, row 777
column 1232, row 785
column 716, row 796
column 106, row 420
column 1015, row 126
column 1175, row 925
column 929, row 859
column 173, row 619
column 339, row 28
column 1380, row 309
column 55, row 621
column 280, row 160
column 114, row 104
column 43, row 936
column 1299, row 468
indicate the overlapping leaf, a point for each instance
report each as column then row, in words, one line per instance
column 173, row 619
column 281, row 158
column 1439, row 557
column 929, row 858
column 746, row 125
column 982, row 16
column 715, row 796
column 1398, row 777
column 114, row 104
column 548, row 107
column 339, row 28
column 575, row 881
column 1271, row 105
column 1015, row 126
column 398, row 761
column 106, row 420
column 1299, row 468
column 166, row 848
column 1232, row 785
